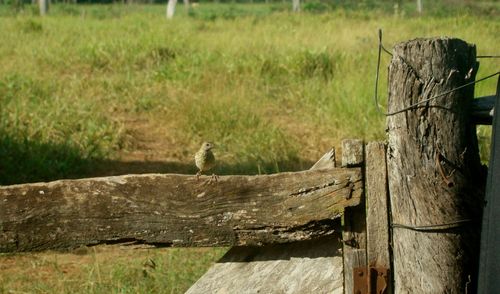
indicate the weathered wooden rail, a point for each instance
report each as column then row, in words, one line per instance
column 402, row 216
column 176, row 210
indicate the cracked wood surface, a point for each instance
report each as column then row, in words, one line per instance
column 176, row 210
column 312, row 266
column 433, row 166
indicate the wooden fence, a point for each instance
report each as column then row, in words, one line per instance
column 402, row 216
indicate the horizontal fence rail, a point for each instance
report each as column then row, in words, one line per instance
column 176, row 210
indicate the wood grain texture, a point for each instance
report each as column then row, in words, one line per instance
column 327, row 161
column 377, row 215
column 175, row 210
column 300, row 267
column 353, row 258
column 352, row 152
column 354, row 219
column 433, row 166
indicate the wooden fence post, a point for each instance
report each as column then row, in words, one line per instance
column 377, row 212
column 435, row 176
column 43, row 6
column 489, row 265
column 314, row 266
column 354, row 219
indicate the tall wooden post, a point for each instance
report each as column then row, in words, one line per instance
column 434, row 172
column 170, row 8
column 489, row 265
column 419, row 6
column 295, row 5
column 354, row 219
column 44, row 6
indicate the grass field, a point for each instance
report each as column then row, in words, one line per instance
column 105, row 270
column 111, row 89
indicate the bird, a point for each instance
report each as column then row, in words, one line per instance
column 205, row 160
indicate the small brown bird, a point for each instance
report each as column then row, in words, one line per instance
column 205, row 160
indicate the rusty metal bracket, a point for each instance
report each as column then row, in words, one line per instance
column 360, row 279
column 370, row 280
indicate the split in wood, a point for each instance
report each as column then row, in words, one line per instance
column 446, row 179
column 171, row 210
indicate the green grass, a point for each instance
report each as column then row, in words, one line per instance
column 105, row 270
column 273, row 89
column 108, row 84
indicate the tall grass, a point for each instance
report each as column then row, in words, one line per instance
column 105, row 270
column 273, row 90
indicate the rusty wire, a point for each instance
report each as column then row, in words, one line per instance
column 434, row 228
column 412, row 106
column 488, row 56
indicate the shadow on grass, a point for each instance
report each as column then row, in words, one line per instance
column 27, row 161
column 23, row 160
column 114, row 167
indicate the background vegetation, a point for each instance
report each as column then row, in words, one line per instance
column 109, row 89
